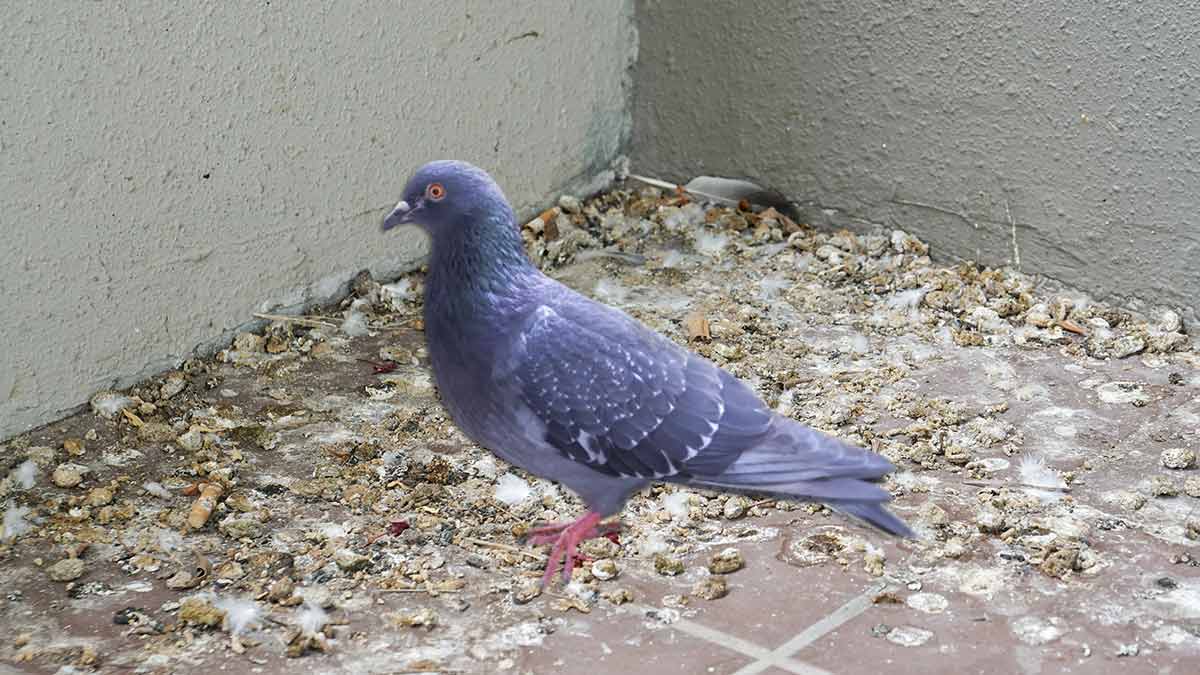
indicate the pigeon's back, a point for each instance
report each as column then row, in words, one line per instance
column 627, row 402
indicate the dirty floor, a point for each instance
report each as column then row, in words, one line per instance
column 300, row 503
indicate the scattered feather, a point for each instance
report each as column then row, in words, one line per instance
column 686, row 217
column 109, row 404
column 1034, row 472
column 676, row 504
column 25, row 474
column 512, row 489
column 770, row 287
column 157, row 490
column 906, row 300
column 711, row 244
column 611, row 291
column 16, row 521
column 727, row 191
column 240, row 614
column 672, row 259
column 311, row 618
column 859, row 344
column 355, row 324
column 400, row 291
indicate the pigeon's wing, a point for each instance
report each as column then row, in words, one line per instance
column 624, row 400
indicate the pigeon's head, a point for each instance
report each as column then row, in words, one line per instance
column 446, row 194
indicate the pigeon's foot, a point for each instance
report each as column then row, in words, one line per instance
column 565, row 538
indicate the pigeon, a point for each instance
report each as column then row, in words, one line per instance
column 580, row 393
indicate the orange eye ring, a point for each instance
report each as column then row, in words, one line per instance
column 435, row 191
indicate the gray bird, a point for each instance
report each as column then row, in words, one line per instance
column 582, row 394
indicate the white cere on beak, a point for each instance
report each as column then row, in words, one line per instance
column 401, row 206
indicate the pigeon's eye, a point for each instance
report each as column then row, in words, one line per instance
column 435, row 191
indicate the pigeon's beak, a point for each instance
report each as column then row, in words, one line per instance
column 401, row 215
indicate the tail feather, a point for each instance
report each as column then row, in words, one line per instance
column 796, row 462
column 877, row 516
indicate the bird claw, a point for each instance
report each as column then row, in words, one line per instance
column 549, row 533
column 565, row 539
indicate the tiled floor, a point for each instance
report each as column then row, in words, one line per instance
column 987, row 607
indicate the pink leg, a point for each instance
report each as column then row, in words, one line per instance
column 565, row 539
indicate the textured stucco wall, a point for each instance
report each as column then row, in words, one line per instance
column 169, row 168
column 1069, row 126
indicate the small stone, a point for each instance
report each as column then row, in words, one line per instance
column 909, row 636
column 618, row 596
column 1166, row 583
column 1161, row 486
column 190, row 440
column 711, row 588
column 1191, row 487
column 1191, row 529
column 933, row 514
column 73, row 446
column 248, row 342
column 526, row 589
column 727, row 561
column 735, row 507
column 903, row 242
column 68, row 475
column 604, row 569
column 67, row 569
column 1036, row 631
column 1126, row 345
column 989, row 520
column 183, row 579
column 570, row 204
column 276, row 345
column 1058, row 563
column 101, row 496
column 1130, row 649
column 1178, row 458
column 1038, row 316
column 172, row 384
column 1169, row 321
column 87, row 656
column 1129, row 500
column 954, row 547
column 241, row 527
column 958, row 455
column 668, row 567
column 230, row 570
column 281, row 589
column 156, row 432
column 200, row 612
column 421, row 618
column 349, row 561
column 930, row 603
column 600, row 547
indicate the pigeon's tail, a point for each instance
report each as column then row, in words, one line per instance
column 875, row 515
column 796, row 462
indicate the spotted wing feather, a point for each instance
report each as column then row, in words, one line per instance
column 626, row 401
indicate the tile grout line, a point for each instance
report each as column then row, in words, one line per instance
column 739, row 645
column 855, row 606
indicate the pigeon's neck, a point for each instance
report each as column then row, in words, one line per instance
column 477, row 268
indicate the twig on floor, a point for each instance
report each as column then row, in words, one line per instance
column 1031, row 486
column 505, row 547
column 314, row 321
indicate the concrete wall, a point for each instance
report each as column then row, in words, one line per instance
column 169, row 168
column 1064, row 132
